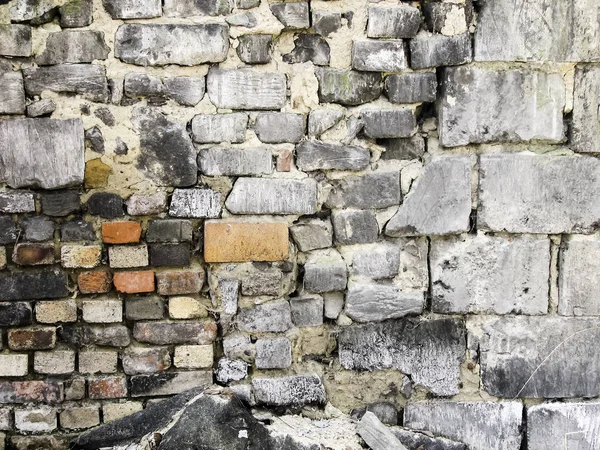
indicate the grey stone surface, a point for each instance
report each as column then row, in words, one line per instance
column 14, row 202
column 273, row 196
column 170, row 383
column 218, row 128
column 389, row 123
column 8, row 230
column 446, row 18
column 422, row 440
column 319, row 121
column 355, row 227
column 501, row 106
column 195, row 203
column 403, row 148
column 262, row 281
column 133, row 9
column 94, row 140
column 414, row 87
column 576, row 425
column 84, row 79
column 347, row 87
column 379, row 56
column 585, row 133
column 15, row 40
column 272, row 317
column 273, row 353
column 246, row 89
column 177, row 167
column 187, row 8
column 43, row 107
column 246, row 20
column 402, row 21
column 235, row 161
column 45, row 153
column 309, row 47
column 228, row 291
column 73, row 47
column 161, row 44
column 38, row 11
column 561, row 33
column 376, row 435
column 276, row 128
column 38, row 229
column 542, row 351
column 312, row 234
column 12, row 93
column 377, row 261
column 293, row 15
column 429, row 351
column 526, row 193
column 77, row 230
column 478, row 424
column 61, row 203
column 317, row 155
column 377, row 302
column 293, row 390
column 435, row 50
column 255, row 48
column 76, row 13
column 370, row 191
column 439, row 201
column 326, row 22
column 187, row 91
column 325, row 271
column 490, row 274
column 307, row 311
column 229, row 370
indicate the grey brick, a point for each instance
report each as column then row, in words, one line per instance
column 269, row 317
column 218, row 128
column 379, row 56
column 317, row 155
column 402, row 21
column 255, row 48
column 377, row 302
column 275, row 353
column 377, row 261
column 373, row 190
column 307, row 311
column 435, row 50
column 73, row 47
column 235, row 161
column 391, row 123
column 355, row 227
column 325, row 271
column 85, row 79
column 411, row 87
column 275, row 128
column 347, row 87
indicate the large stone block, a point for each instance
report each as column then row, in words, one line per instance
column 235, row 161
column 219, row 128
column 585, row 134
column 490, row 274
column 133, row 9
column 162, row 44
column 12, row 93
column 435, row 50
column 540, row 357
column 168, row 333
column 430, row 351
column 246, row 89
column 541, row 31
column 578, row 284
column 86, row 80
column 480, row 425
column 316, row 155
column 411, row 87
column 439, row 201
column 377, row 302
column 526, row 193
column 371, row 191
column 73, row 47
column 273, row 196
column 15, row 40
column 379, row 56
column 511, row 105
column 348, row 87
column 389, row 123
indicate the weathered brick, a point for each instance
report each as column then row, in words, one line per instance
column 169, row 230
column 38, row 420
column 80, row 256
column 186, row 308
column 165, row 333
column 411, row 87
column 30, row 391
column 128, row 256
column 74, row 389
column 106, row 336
column 146, row 204
column 96, row 282
column 348, row 87
column 100, row 388
column 168, row 383
column 47, row 442
column 76, row 14
column 12, row 93
column 179, row 282
column 195, row 203
column 77, row 230
column 105, row 204
column 12, row 365
column 396, row 22
column 170, row 254
column 145, row 360
column 38, row 338
column 102, row 311
column 26, row 254
column 269, row 317
column 56, row 362
column 144, row 308
column 97, row 361
column 275, row 128
column 38, row 229
column 218, row 128
column 116, row 411
column 273, row 353
column 294, row 390
column 15, row 314
column 80, row 417
column 245, row 241
column 14, row 202
column 379, row 56
column 193, row 356
column 316, row 155
column 121, row 232
column 56, row 311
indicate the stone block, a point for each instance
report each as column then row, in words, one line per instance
column 27, row 254
column 275, row 353
column 312, row 234
column 134, row 282
column 38, row 229
column 6, row 420
column 146, row 204
column 144, row 308
column 403, row 148
column 86, row 80
column 377, row 261
column 133, row 9
column 13, row 365
column 325, row 271
column 128, row 256
column 429, row 351
column 262, row 281
column 106, row 336
column 186, row 308
column 97, row 361
column 162, row 44
column 355, row 227
column 377, row 302
column 116, row 411
column 40, row 108
column 517, row 115
column 41, row 419
column 271, row 317
column 61, row 143
column 219, row 128
column 102, row 311
column 179, row 282
column 379, row 56
column 73, row 47
column 255, row 48
column 168, row 383
column 195, row 203
column 19, row 392
column 77, row 230
column 2, row 258
column 187, row 91
column 168, row 333
column 228, row 291
column 309, row 47
column 76, row 13
column 15, row 314
column 12, row 93
column 106, row 205
column 187, row 8
column 193, row 356
column 231, row 370
column 34, row 285
column 74, row 256
column 75, row 389
column 96, row 282
column 15, row 40
column 276, row 128
column 586, row 130
column 439, row 201
column 8, row 230
column 121, row 232
column 319, row 121
column 391, row 123
column 56, row 362
column 307, row 311
column 348, row 87
column 295, row 390
column 577, row 283
column 436, row 50
column 293, row 15
column 416, row 439
column 107, row 387
column 169, row 230
column 246, row 89
column 56, row 311
column 447, row 19
column 60, row 203
column 235, row 161
column 326, row 22
column 402, row 21
column 145, row 360
column 15, row 202
column 371, row 191
column 80, row 417
column 316, row 155
column 170, row 254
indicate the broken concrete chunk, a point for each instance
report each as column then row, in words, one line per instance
column 371, row 191
column 402, row 21
column 219, row 128
column 76, row 13
column 377, row 302
column 312, row 234
column 379, row 56
column 293, row 15
column 276, row 128
column 325, row 271
column 73, row 47
column 190, row 8
column 411, row 87
column 377, row 261
column 439, row 201
column 316, row 155
column 287, row 391
column 355, row 227
column 162, row 44
column 84, row 79
column 187, row 91
column 15, row 40
column 348, row 87
column 376, row 434
column 195, row 203
column 95, row 141
column 235, row 161
column 319, row 121
column 272, row 317
column 391, row 123
column 586, row 106
column 255, row 48
column 309, row 47
column 133, row 9
column 44, row 153
column 435, row 50
column 12, row 93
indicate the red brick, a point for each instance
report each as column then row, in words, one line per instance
column 30, row 391
column 179, row 282
column 96, row 282
column 121, row 232
column 134, row 282
column 107, row 387
column 284, row 161
column 40, row 338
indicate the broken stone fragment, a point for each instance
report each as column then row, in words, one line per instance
column 319, row 121
column 287, row 391
column 73, row 47
column 12, row 93
column 133, row 9
column 348, row 87
column 219, row 128
column 379, row 56
column 376, row 434
column 316, row 155
column 15, row 40
column 255, row 48
column 76, row 13
column 95, row 140
column 190, row 8
column 41, row 108
column 293, row 15
column 445, row 18
column 276, row 128
column 246, row 20
column 235, row 161
column 309, row 47
column 373, row 190
column 326, row 22
column 402, row 21
column 436, row 50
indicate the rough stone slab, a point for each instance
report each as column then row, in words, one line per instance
column 76, row 13
column 512, row 105
column 585, row 135
column 402, row 21
column 578, row 285
column 371, row 191
column 190, row 8
column 411, row 87
column 478, row 424
column 45, row 153
column 273, row 353
column 538, row 32
column 347, row 87
column 439, row 201
column 15, row 40
column 524, row 356
column 325, row 271
column 307, row 311
column 12, row 93
column 309, row 47
column 355, row 227
column 133, row 9
column 377, row 302
column 84, row 79
column 187, row 91
column 293, row 15
column 43, row 107
column 198, row 203
column 162, row 44
column 218, row 128
column 577, row 425
column 73, row 47
column 255, row 48
column 317, row 155
column 447, row 18
column 139, row 84
column 235, row 161
column 430, row 351
column 422, row 440
column 273, row 196
column 276, row 128
column 389, row 123
column 246, row 89
column 295, row 390
column 312, row 234
column 379, row 56
column 490, row 274
column 319, row 121
column 376, row 435
column 525, row 193
column 15, row 202
column 435, row 50
column 377, row 261
column 168, row 383
column 272, row 317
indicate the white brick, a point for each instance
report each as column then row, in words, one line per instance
column 98, row 361
column 193, row 356
column 102, row 311
column 56, row 311
column 127, row 256
column 37, row 420
column 116, row 411
column 56, row 362
column 13, row 365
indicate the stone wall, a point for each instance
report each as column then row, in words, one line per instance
column 341, row 203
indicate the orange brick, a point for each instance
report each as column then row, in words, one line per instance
column 94, row 282
column 245, row 241
column 121, row 232
column 134, row 282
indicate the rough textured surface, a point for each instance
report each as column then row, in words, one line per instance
column 585, row 110
column 315, row 155
column 272, row 196
column 578, row 285
column 374, row 303
column 348, row 87
column 84, row 79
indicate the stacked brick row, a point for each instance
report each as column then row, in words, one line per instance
column 368, row 204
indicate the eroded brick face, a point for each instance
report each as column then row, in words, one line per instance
column 96, row 282
column 121, row 232
column 134, row 282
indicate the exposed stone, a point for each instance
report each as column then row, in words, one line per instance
column 246, row 89
column 275, row 128
column 146, row 204
column 307, row 311
column 439, row 201
column 86, row 80
column 411, row 87
column 377, row 261
column 316, row 155
column 355, row 227
column 44, row 153
column 167, row 333
column 36, row 285
column 392, row 123
column 293, row 390
column 218, row 128
column 501, row 106
column 15, row 40
column 379, row 56
column 312, row 234
column 309, row 47
column 273, row 196
column 326, row 22
column 293, row 15
column 319, row 121
column 77, row 230
column 102, row 311
column 269, row 317
column 187, row 8
column 198, row 203
column 430, row 351
column 348, row 87
column 73, row 47
column 325, row 271
column 187, row 91
column 76, row 13
column 162, row 44
column 133, row 9
column 12, row 93
column 273, row 353
column 477, row 424
column 128, row 256
column 402, row 21
column 144, row 308
column 376, row 435
column 15, row 202
column 435, row 50
column 235, row 161
column 41, row 108
column 586, row 128
column 373, row 190
column 229, row 370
